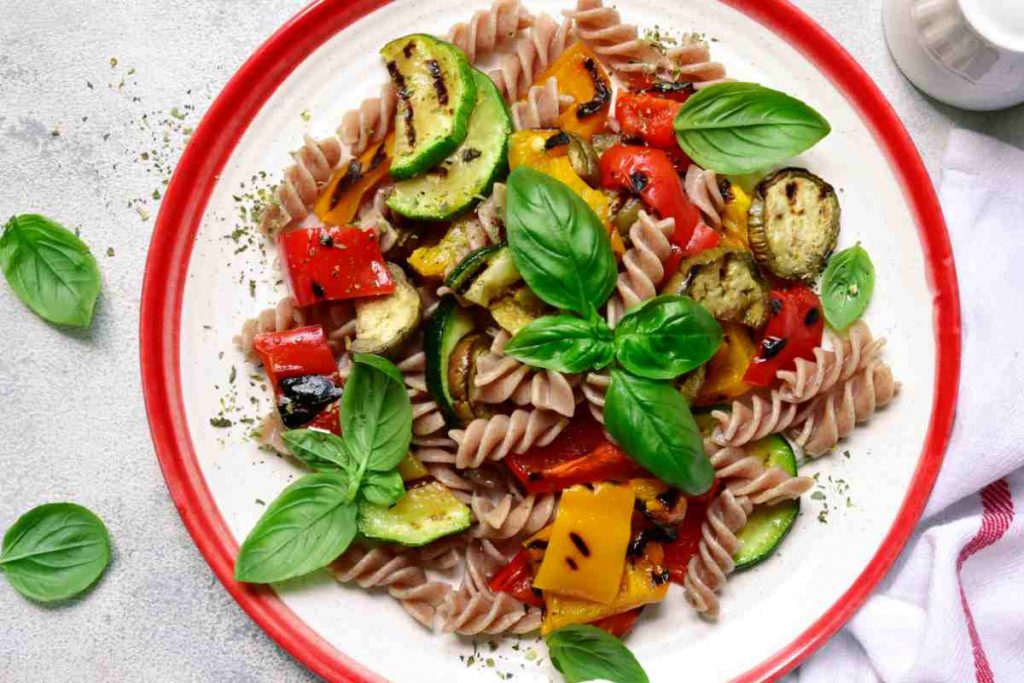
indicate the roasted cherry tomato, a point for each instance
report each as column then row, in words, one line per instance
column 619, row 625
column 516, row 579
column 328, row 264
column 649, row 118
column 648, row 83
column 650, row 174
column 795, row 328
column 580, row 455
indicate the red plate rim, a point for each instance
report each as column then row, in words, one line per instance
column 181, row 214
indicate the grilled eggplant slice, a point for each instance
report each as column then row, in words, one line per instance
column 726, row 281
column 462, row 372
column 794, row 223
column 436, row 95
column 384, row 323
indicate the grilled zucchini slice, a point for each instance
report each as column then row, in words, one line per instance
column 436, row 95
column 768, row 524
column 384, row 323
column 449, row 324
column 468, row 174
column 726, row 281
column 424, row 514
column 794, row 223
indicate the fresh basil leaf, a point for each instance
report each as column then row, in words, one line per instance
column 55, row 551
column 563, row 343
column 376, row 413
column 558, row 243
column 582, row 652
column 383, row 488
column 847, row 286
column 50, row 270
column 320, row 451
column 307, row 527
column 651, row 421
column 744, row 127
column 666, row 336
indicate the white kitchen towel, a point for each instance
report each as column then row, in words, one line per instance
column 952, row 608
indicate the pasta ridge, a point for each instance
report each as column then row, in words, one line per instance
column 709, row 568
column 298, row 190
column 490, row 29
column 745, row 475
column 541, row 107
column 501, row 378
column 643, row 265
column 494, row 438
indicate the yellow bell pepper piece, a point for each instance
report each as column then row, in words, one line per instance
column 412, row 468
column 359, row 177
column 643, row 582
column 586, row 555
column 436, row 260
column 576, row 80
column 647, row 492
column 527, row 149
column 734, row 218
column 725, row 370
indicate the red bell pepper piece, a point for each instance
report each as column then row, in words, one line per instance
column 516, row 579
column 619, row 625
column 303, row 371
column 649, row 118
column 650, row 173
column 580, row 455
column 327, row 420
column 795, row 328
column 651, row 84
column 331, row 263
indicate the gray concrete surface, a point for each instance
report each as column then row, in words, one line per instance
column 96, row 98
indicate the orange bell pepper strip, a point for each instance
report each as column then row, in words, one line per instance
column 340, row 200
column 724, row 378
column 580, row 75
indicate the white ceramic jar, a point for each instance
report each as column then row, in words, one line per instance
column 967, row 53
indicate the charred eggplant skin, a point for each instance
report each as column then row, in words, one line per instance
column 727, row 282
column 794, row 224
column 384, row 323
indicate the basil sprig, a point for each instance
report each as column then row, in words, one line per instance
column 55, row 551
column 666, row 336
column 50, row 270
column 744, row 127
column 847, row 286
column 558, row 243
column 564, row 343
column 562, row 251
column 314, row 520
column 582, row 652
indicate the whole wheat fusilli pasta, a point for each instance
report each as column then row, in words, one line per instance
column 595, row 387
column 494, row 438
column 490, row 29
column 745, row 475
column 753, row 417
column 642, row 265
column 383, row 568
column 833, row 415
column 427, row 420
column 501, row 378
column 370, row 121
column 532, row 53
column 615, row 42
column 512, row 516
column 474, row 609
column 541, row 107
column 710, row 566
column 702, row 188
column 691, row 61
column 286, row 315
column 302, row 182
column 835, row 363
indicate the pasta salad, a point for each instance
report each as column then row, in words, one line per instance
column 562, row 324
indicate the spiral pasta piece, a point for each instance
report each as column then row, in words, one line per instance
column 512, row 516
column 427, row 419
column 370, row 121
column 830, row 365
column 595, row 388
column 709, row 568
column 753, row 417
column 377, row 215
column 474, row 609
column 542, row 106
column 691, row 61
column 642, row 265
column 532, row 53
column 398, row 574
column 302, row 182
column 501, row 378
column 286, row 315
column 834, row 414
column 269, row 433
column 744, row 474
column 494, row 438
column 618, row 44
column 490, row 28
column 702, row 188
column 491, row 212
